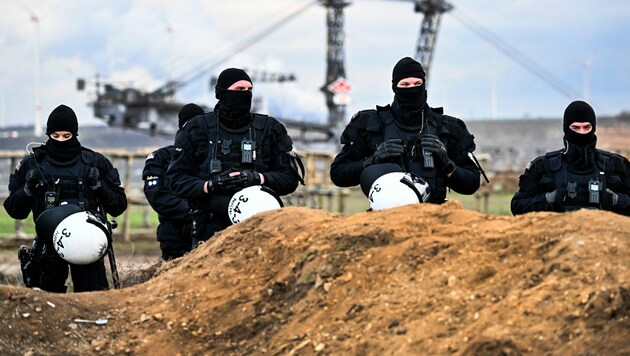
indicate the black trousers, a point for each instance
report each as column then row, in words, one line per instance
column 49, row 272
column 174, row 249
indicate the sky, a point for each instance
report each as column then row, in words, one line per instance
column 581, row 46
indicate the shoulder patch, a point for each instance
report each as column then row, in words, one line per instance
column 17, row 168
column 150, row 156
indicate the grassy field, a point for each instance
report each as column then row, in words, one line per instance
column 355, row 202
column 136, row 217
column 497, row 203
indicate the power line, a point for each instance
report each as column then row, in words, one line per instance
column 516, row 55
column 202, row 69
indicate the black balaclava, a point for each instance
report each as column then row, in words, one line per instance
column 408, row 101
column 578, row 111
column 187, row 112
column 233, row 105
column 63, row 118
column 580, row 148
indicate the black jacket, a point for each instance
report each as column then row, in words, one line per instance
column 540, row 178
column 173, row 212
column 369, row 128
column 110, row 194
column 203, row 135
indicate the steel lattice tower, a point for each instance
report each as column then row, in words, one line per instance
column 432, row 11
column 335, row 61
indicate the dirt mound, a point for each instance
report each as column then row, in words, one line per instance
column 420, row 279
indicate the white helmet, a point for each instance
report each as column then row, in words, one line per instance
column 251, row 201
column 81, row 238
column 397, row 189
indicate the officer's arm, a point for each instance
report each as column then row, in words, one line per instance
column 18, row 205
column 466, row 177
column 530, row 196
column 111, row 194
column 182, row 172
column 157, row 191
column 622, row 169
column 346, row 168
column 280, row 177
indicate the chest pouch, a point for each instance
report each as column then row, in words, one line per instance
column 225, row 146
column 572, row 190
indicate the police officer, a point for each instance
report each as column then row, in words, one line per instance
column 420, row 139
column 61, row 170
column 226, row 150
column 173, row 232
column 578, row 176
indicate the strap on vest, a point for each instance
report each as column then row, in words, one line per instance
column 81, row 193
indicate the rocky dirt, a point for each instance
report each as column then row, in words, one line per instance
column 421, row 279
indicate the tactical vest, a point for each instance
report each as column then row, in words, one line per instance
column 579, row 189
column 224, row 147
column 381, row 125
column 66, row 182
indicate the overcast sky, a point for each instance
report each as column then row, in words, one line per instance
column 583, row 44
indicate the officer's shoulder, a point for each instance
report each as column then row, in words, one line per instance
column 451, row 121
column 260, row 121
column 552, row 154
column 550, row 160
column 89, row 156
column 614, row 156
column 610, row 154
column 90, row 152
column 201, row 121
column 361, row 117
column 26, row 162
column 536, row 163
column 160, row 153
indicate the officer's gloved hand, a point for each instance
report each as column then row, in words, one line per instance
column 93, row 180
column 433, row 144
column 249, row 177
column 224, row 182
column 386, row 152
column 612, row 197
column 31, row 182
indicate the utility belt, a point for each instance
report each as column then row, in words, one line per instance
column 31, row 262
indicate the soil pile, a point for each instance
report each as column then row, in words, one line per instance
column 421, row 279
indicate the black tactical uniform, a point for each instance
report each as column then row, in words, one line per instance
column 63, row 171
column 211, row 146
column 401, row 133
column 173, row 233
column 578, row 176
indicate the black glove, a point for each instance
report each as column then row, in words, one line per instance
column 435, row 146
column 31, row 182
column 225, row 182
column 386, row 152
column 249, row 177
column 612, row 197
column 93, row 180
